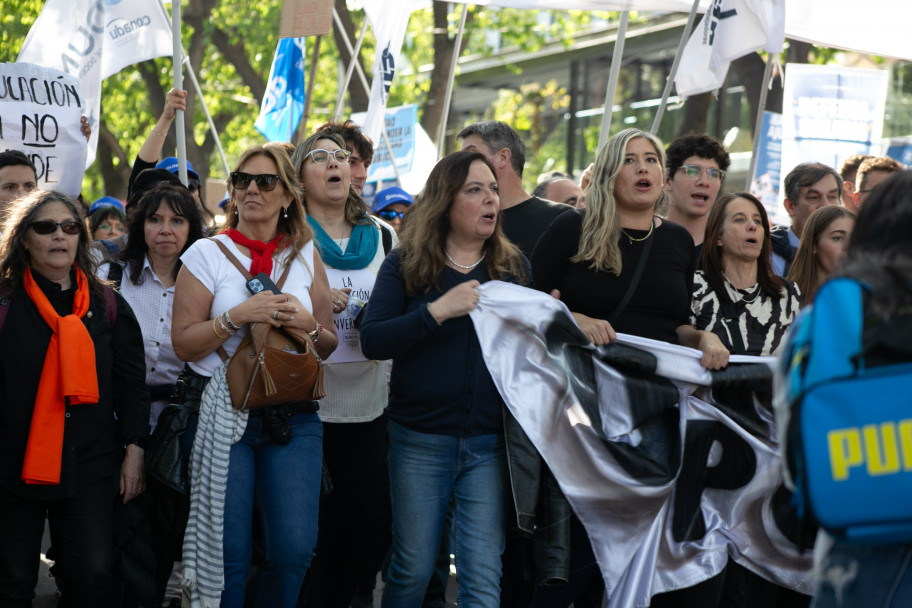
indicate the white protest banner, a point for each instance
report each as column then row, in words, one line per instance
column 40, row 110
column 93, row 39
column 830, row 113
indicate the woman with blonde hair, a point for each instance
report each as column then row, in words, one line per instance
column 824, row 241
column 269, row 457
column 446, row 429
column 619, row 267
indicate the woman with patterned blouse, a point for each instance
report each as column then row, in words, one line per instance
column 736, row 294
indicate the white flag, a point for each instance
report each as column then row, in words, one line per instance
column 729, row 30
column 93, row 39
column 389, row 20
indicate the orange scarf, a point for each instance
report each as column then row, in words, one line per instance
column 68, row 373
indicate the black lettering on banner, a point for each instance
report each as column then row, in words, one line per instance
column 346, row 282
column 45, row 130
column 735, row 469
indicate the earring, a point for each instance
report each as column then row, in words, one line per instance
column 235, row 211
column 285, row 212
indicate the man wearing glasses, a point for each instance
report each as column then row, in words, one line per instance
column 695, row 166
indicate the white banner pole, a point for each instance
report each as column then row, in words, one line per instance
column 674, row 67
column 449, row 90
column 613, row 78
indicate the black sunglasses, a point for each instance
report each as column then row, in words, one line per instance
column 390, row 215
column 49, row 227
column 264, row 181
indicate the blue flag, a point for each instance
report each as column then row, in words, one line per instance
column 283, row 104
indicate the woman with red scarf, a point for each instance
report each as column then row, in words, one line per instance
column 270, row 457
column 74, row 410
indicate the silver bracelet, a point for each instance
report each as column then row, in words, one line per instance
column 228, row 321
column 224, row 327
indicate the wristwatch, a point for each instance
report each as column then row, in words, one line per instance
column 315, row 334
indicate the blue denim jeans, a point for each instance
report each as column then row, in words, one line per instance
column 426, row 471
column 283, row 481
column 870, row 576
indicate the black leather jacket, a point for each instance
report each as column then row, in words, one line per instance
column 542, row 513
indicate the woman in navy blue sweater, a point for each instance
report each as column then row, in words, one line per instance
column 446, row 421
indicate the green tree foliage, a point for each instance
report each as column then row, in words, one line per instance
column 230, row 44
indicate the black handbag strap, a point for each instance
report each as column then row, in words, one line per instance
column 634, row 281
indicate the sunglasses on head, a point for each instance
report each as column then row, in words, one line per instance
column 264, row 181
column 389, row 215
column 320, row 156
column 49, row 227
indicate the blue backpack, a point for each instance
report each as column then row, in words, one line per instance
column 848, row 382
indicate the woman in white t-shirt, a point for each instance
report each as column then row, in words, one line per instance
column 271, row 457
column 356, row 515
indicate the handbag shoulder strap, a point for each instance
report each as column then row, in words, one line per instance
column 637, row 275
column 237, row 264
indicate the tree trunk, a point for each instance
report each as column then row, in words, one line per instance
column 696, row 110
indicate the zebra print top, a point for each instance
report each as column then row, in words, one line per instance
column 763, row 321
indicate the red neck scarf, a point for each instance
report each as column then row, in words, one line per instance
column 68, row 373
column 260, row 252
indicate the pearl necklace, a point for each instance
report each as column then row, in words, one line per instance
column 463, row 266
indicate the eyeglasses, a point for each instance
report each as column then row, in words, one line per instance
column 389, row 215
column 264, row 181
column 694, row 172
column 49, row 227
column 320, row 156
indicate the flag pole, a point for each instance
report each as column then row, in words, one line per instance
column 310, row 85
column 616, row 58
column 348, row 73
column 179, row 135
column 449, row 90
column 199, row 94
column 674, row 67
column 758, row 123
column 363, row 79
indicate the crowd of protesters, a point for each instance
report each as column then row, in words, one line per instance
column 116, row 423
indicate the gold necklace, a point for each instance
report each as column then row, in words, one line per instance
column 648, row 234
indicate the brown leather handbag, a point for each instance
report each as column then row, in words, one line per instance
column 272, row 365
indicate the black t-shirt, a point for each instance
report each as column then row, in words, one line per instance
column 524, row 223
column 661, row 302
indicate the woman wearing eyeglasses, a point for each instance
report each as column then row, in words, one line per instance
column 72, row 398
column 269, row 458
column 355, row 516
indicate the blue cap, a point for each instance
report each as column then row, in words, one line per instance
column 170, row 164
column 106, row 201
column 391, row 196
column 224, row 201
